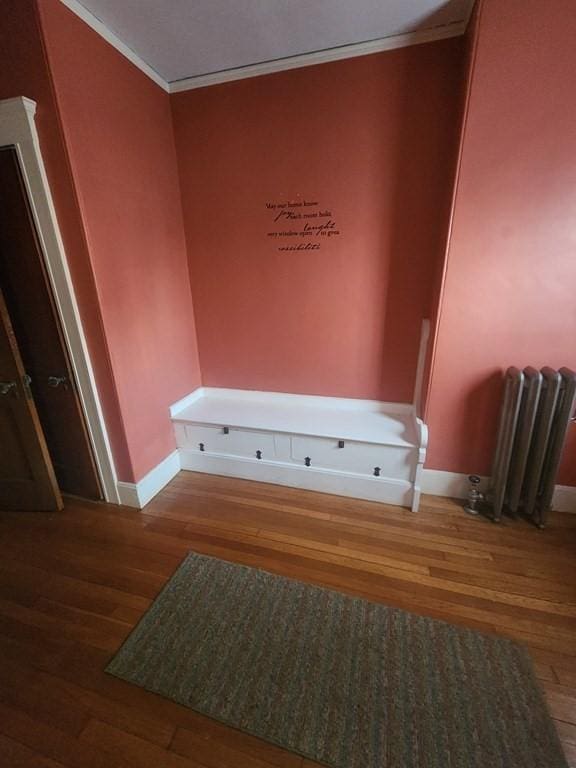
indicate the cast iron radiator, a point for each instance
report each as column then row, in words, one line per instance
column 536, row 412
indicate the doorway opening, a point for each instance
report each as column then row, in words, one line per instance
column 42, row 425
column 18, row 131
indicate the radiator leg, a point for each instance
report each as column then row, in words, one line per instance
column 475, row 497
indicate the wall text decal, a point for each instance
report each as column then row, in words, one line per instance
column 301, row 225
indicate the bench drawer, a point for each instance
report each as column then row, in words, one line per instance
column 236, row 442
column 360, row 458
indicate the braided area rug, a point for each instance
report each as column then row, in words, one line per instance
column 343, row 681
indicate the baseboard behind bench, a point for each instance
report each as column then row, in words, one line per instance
column 455, row 485
column 434, row 482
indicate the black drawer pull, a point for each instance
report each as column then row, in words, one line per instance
column 258, row 454
column 226, row 430
column 307, row 461
column 201, row 446
column 377, row 471
column 340, row 443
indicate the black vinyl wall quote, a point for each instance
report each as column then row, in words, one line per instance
column 301, row 225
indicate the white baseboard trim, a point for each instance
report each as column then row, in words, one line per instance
column 455, row 485
column 138, row 494
column 564, row 498
column 452, row 484
column 384, row 490
column 180, row 405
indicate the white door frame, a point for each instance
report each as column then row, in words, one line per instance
column 18, row 129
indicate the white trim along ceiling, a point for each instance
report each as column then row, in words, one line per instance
column 404, row 23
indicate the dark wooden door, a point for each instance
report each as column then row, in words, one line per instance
column 27, row 478
column 39, row 336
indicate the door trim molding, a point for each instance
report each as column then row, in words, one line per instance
column 18, row 129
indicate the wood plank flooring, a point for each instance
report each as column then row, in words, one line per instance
column 74, row 583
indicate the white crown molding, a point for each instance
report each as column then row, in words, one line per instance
column 138, row 494
column 267, row 67
column 320, row 57
column 95, row 23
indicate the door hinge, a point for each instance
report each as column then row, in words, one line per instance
column 7, row 386
column 57, row 381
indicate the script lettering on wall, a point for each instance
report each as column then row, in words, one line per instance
column 301, row 225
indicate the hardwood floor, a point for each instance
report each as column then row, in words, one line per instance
column 73, row 584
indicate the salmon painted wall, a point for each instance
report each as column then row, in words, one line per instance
column 118, row 130
column 24, row 72
column 371, row 141
column 438, row 285
column 511, row 269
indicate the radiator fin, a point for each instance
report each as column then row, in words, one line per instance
column 537, row 410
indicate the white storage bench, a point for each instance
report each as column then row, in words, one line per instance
column 358, row 448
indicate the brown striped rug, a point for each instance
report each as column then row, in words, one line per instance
column 343, row 681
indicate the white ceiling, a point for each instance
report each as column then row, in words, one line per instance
column 188, row 38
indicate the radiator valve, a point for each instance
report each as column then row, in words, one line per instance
column 474, row 496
